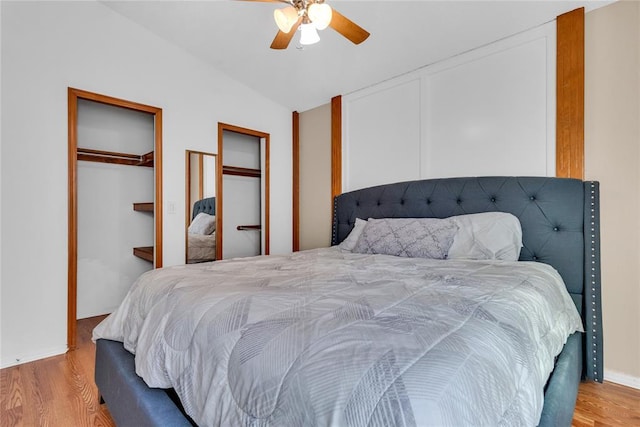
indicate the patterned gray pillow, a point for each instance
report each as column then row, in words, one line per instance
column 407, row 237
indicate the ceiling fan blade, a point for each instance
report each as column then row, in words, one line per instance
column 282, row 39
column 348, row 28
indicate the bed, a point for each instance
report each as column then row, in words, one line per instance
column 560, row 227
column 201, row 245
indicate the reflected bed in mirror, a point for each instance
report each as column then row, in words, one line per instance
column 200, row 207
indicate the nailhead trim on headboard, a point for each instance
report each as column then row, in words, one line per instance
column 593, row 282
column 593, row 328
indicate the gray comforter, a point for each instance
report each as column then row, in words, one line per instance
column 325, row 337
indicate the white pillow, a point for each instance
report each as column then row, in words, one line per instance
column 203, row 223
column 488, row 235
column 350, row 241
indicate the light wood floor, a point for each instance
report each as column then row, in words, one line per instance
column 59, row 391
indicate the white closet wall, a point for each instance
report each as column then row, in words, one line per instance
column 108, row 227
column 490, row 111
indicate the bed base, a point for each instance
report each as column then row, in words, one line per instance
column 132, row 403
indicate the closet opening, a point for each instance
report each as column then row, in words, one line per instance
column 242, row 194
column 115, row 201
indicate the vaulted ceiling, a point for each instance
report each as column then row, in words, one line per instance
column 234, row 36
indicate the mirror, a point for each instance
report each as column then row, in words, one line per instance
column 200, row 207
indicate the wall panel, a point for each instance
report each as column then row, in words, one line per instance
column 486, row 113
column 381, row 129
column 490, row 111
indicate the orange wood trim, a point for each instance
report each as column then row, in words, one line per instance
column 234, row 170
column 72, row 262
column 219, row 195
column 157, row 160
column 267, row 191
column 244, row 131
column 200, row 176
column 187, row 202
column 296, row 180
column 264, row 174
column 336, row 147
column 109, row 100
column 570, row 95
column 73, row 155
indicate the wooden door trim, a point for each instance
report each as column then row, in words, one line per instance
column 336, row 148
column 219, row 191
column 72, row 156
column 295, row 139
column 570, row 95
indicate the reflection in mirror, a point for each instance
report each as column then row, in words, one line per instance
column 200, row 209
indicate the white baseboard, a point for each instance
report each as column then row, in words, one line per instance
column 622, row 379
column 26, row 358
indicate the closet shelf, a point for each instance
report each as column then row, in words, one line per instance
column 144, row 252
column 143, row 207
column 102, row 156
column 238, row 171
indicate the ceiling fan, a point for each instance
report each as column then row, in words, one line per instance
column 310, row 16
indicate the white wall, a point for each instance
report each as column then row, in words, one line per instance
column 48, row 46
column 490, row 111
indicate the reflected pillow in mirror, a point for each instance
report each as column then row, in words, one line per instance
column 203, row 223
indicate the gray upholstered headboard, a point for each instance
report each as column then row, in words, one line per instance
column 207, row 205
column 559, row 218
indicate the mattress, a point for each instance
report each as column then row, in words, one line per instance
column 325, row 337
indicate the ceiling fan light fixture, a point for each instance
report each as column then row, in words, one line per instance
column 285, row 18
column 320, row 14
column 308, row 34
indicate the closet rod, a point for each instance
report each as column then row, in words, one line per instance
column 248, row 227
column 91, row 155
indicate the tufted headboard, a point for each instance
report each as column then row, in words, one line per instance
column 207, row 205
column 560, row 226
